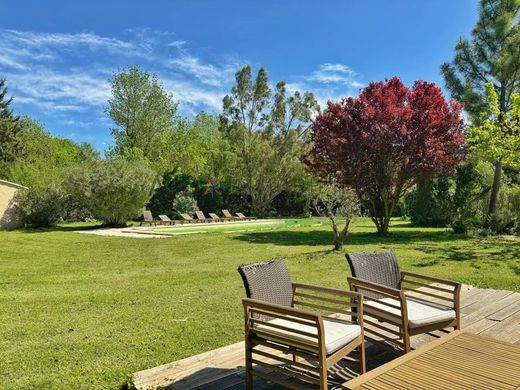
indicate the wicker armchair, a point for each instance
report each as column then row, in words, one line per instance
column 401, row 304
column 315, row 325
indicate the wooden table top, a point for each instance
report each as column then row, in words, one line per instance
column 456, row 361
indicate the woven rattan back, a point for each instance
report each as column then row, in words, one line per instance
column 269, row 281
column 376, row 267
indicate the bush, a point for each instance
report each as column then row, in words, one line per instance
column 173, row 182
column 115, row 190
column 430, row 203
column 506, row 220
column 184, row 202
column 42, row 206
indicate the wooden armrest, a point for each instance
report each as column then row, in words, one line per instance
column 278, row 309
column 333, row 291
column 430, row 278
column 374, row 287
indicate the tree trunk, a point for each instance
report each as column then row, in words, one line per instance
column 339, row 235
column 492, row 208
column 380, row 215
column 496, row 188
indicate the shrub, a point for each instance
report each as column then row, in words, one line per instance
column 173, row 182
column 42, row 206
column 114, row 190
column 430, row 204
column 506, row 220
column 184, row 202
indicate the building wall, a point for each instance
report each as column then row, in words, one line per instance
column 8, row 217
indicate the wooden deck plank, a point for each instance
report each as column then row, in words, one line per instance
column 493, row 313
column 507, row 311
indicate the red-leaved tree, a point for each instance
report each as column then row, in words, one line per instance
column 382, row 142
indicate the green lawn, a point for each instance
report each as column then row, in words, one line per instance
column 84, row 311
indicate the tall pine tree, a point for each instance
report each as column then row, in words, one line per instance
column 492, row 55
column 9, row 130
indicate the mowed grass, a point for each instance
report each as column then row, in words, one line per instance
column 85, row 311
column 238, row 226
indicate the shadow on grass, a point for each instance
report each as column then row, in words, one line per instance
column 61, row 228
column 473, row 253
column 322, row 237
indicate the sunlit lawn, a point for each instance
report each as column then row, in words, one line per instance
column 85, row 311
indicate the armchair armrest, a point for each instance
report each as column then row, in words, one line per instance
column 279, row 311
column 449, row 292
column 328, row 290
column 430, row 278
column 362, row 284
column 333, row 301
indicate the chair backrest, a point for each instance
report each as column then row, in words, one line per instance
column 200, row 214
column 377, row 267
column 226, row 213
column 269, row 281
column 186, row 217
column 240, row 215
column 163, row 217
column 214, row 216
column 147, row 215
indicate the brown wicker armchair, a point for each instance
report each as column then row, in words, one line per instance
column 316, row 325
column 401, row 304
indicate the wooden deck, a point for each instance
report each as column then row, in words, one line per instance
column 494, row 313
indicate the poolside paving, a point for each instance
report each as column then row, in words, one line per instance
column 494, row 313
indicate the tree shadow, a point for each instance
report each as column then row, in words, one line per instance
column 60, row 228
column 322, row 237
column 233, row 378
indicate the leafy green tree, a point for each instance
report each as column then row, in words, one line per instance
column 338, row 203
column 41, row 206
column 497, row 138
column 114, row 190
column 43, row 158
column 144, row 114
column 267, row 134
column 491, row 56
column 9, row 129
column 432, row 202
column 201, row 150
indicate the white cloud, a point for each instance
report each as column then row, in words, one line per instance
column 207, row 73
column 178, row 44
column 69, row 72
column 60, row 73
column 59, row 91
column 335, row 74
column 191, row 96
column 328, row 82
column 28, row 45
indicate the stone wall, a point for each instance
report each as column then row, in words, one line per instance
column 8, row 217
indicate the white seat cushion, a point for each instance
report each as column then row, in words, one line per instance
column 337, row 333
column 420, row 312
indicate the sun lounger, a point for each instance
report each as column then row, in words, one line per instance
column 227, row 214
column 201, row 217
column 242, row 216
column 216, row 218
column 187, row 218
column 166, row 220
column 147, row 218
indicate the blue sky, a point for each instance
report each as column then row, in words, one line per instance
column 58, row 56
